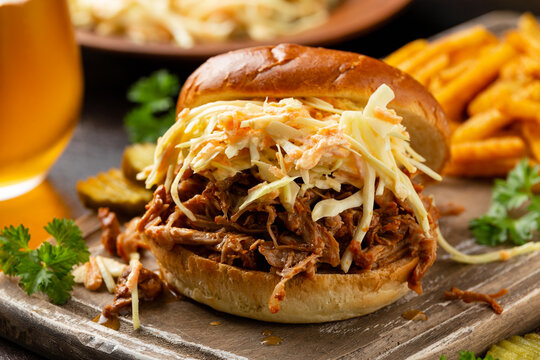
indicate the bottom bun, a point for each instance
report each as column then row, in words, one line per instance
column 327, row 297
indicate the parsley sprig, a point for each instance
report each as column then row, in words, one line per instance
column 46, row 269
column 469, row 355
column 498, row 225
column 155, row 97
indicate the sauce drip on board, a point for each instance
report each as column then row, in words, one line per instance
column 414, row 315
column 111, row 323
column 272, row 340
column 269, row 339
column 169, row 294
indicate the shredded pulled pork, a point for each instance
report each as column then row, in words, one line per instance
column 93, row 278
column 149, row 287
column 450, row 209
column 110, row 229
column 471, row 296
column 265, row 236
column 116, row 242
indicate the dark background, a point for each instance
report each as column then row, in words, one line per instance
column 107, row 76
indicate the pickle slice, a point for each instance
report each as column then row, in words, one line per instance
column 517, row 347
column 136, row 157
column 111, row 189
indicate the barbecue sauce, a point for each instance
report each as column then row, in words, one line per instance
column 414, row 315
column 270, row 340
column 169, row 294
column 112, row 322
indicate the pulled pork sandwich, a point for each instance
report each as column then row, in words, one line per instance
column 284, row 189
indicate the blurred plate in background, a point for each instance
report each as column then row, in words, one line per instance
column 350, row 18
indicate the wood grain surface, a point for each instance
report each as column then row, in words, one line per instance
column 182, row 329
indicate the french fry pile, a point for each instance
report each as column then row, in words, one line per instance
column 490, row 91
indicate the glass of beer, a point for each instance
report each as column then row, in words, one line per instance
column 40, row 90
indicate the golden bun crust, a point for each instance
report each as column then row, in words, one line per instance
column 328, row 297
column 288, row 70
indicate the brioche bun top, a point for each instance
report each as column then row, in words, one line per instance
column 288, row 70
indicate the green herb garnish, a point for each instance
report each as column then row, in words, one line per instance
column 46, row 269
column 498, row 226
column 469, row 355
column 155, row 97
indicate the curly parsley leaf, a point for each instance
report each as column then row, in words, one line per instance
column 46, row 269
column 517, row 189
column 68, row 234
column 498, row 229
column 153, row 89
column 498, row 226
column 13, row 248
column 534, row 207
column 488, row 230
column 155, row 113
column 144, row 126
column 469, row 355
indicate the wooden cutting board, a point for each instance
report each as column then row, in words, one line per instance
column 182, row 329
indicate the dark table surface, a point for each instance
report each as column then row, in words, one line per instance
column 99, row 138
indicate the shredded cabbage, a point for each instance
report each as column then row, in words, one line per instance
column 288, row 194
column 114, row 267
column 109, row 266
column 499, row 255
column 265, row 189
column 368, row 194
column 333, row 207
column 106, row 275
column 279, row 130
column 134, row 260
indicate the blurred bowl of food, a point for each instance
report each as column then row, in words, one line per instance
column 202, row 28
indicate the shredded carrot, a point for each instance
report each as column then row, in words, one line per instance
column 388, row 115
